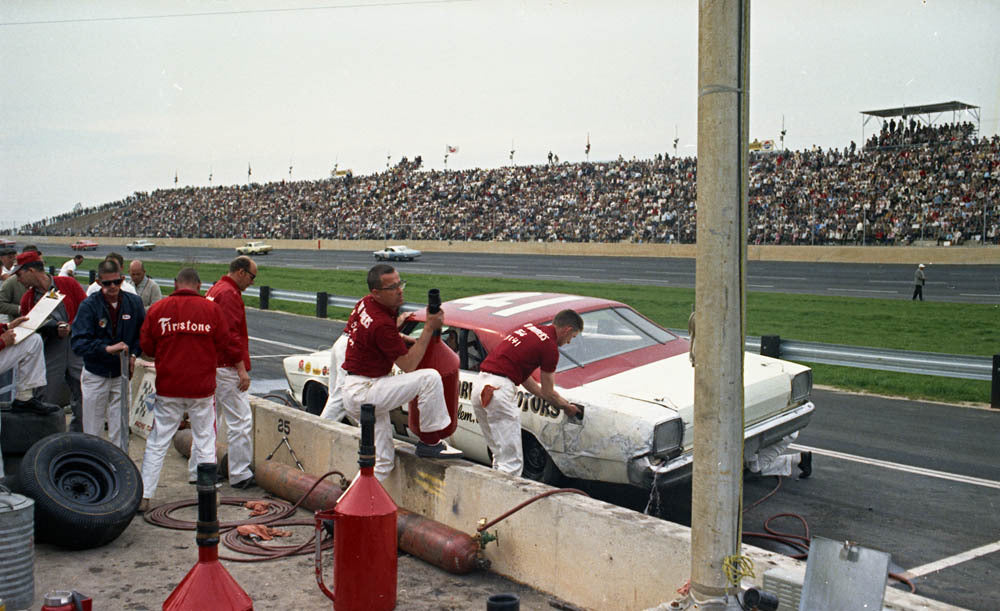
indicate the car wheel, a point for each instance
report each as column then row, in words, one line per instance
column 538, row 464
column 85, row 489
column 314, row 398
column 22, row 429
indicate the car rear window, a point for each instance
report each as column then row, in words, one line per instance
column 610, row 332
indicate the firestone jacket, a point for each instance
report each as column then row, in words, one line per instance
column 94, row 330
column 187, row 335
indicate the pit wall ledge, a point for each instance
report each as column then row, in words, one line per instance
column 941, row 255
column 587, row 552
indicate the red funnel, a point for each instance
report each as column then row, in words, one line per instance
column 208, row 585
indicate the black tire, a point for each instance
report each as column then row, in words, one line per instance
column 86, row 490
column 538, row 464
column 314, row 398
column 20, row 430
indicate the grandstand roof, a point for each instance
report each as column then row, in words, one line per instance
column 919, row 110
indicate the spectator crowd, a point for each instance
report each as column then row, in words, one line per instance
column 910, row 182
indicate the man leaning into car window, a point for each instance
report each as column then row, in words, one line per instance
column 494, row 393
column 374, row 345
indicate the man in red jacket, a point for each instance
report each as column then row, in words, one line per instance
column 187, row 335
column 232, row 380
column 62, row 366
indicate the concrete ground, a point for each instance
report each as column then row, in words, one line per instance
column 142, row 567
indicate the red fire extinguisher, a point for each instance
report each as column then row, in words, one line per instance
column 442, row 358
column 364, row 536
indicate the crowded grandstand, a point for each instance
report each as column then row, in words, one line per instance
column 909, row 183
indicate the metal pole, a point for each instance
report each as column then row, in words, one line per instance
column 723, row 79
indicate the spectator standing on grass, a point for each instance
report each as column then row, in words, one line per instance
column 147, row 290
column 69, row 267
column 187, row 335
column 232, row 374
column 919, row 278
column 107, row 324
column 62, row 366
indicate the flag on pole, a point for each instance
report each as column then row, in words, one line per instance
column 248, row 170
column 587, row 150
column 451, row 149
column 175, row 177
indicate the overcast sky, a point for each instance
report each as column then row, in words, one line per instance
column 100, row 99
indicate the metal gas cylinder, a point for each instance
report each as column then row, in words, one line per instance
column 17, row 549
column 364, row 540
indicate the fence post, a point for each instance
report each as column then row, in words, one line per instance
column 93, row 276
column 770, row 345
column 52, row 270
column 265, row 297
column 322, row 298
column 995, row 389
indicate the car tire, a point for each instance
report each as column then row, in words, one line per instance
column 538, row 465
column 314, row 398
column 86, row 490
column 20, row 430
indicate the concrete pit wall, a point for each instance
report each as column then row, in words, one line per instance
column 585, row 551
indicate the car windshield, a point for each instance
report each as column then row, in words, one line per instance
column 610, row 332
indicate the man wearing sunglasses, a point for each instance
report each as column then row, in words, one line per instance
column 95, row 286
column 62, row 366
column 107, row 324
column 232, row 378
column 374, row 345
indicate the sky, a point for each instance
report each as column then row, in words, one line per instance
column 104, row 98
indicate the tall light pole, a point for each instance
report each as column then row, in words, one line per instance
column 720, row 296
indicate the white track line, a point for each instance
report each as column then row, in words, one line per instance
column 964, row 479
column 862, row 291
column 291, row 346
column 950, row 561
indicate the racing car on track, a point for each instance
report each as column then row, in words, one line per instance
column 633, row 378
column 396, row 253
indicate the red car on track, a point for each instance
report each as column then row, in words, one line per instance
column 83, row 245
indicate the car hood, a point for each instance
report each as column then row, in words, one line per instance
column 670, row 383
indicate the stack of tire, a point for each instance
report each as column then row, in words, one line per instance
column 86, row 490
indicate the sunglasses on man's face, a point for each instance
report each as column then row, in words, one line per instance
column 110, row 282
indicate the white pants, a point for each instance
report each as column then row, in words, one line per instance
column 233, row 406
column 29, row 358
column 773, row 460
column 167, row 415
column 500, row 422
column 386, row 394
column 334, row 408
column 102, row 401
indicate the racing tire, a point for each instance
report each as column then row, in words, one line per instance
column 314, row 398
column 538, row 465
column 86, row 490
column 20, row 430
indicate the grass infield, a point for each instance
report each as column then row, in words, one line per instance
column 949, row 328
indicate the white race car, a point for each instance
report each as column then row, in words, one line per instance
column 396, row 253
column 254, row 248
column 140, row 245
column 633, row 378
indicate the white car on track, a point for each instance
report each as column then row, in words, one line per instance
column 254, row 248
column 396, row 253
column 632, row 377
column 140, row 245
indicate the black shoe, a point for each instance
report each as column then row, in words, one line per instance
column 34, row 405
column 249, row 482
column 143, row 507
column 438, row 450
column 806, row 465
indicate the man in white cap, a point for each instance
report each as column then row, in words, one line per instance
column 918, row 282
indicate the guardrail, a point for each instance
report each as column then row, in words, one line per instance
column 881, row 359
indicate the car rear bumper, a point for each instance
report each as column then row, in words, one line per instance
column 643, row 471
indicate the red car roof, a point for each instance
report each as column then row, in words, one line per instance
column 492, row 316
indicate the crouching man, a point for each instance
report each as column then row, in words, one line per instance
column 494, row 393
column 374, row 345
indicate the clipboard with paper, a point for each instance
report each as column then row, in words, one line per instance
column 38, row 315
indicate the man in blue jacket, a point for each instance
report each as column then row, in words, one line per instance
column 107, row 324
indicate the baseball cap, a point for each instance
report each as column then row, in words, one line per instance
column 28, row 259
column 921, row 266
column 7, row 251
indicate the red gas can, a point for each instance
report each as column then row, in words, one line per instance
column 64, row 600
column 364, row 536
